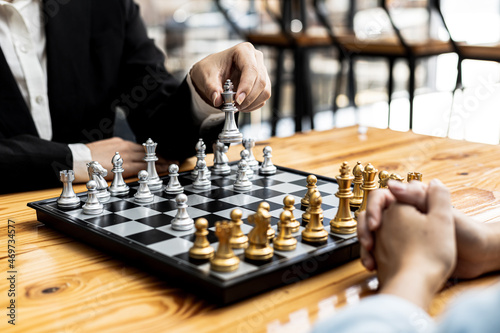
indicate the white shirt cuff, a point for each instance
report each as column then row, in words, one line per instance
column 81, row 156
column 202, row 110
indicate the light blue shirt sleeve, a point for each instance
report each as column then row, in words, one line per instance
column 476, row 311
column 380, row 313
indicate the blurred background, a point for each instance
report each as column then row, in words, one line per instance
column 427, row 66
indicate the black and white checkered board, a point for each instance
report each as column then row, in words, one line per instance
column 142, row 234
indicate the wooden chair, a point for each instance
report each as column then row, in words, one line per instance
column 300, row 44
column 390, row 48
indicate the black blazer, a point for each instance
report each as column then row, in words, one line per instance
column 98, row 57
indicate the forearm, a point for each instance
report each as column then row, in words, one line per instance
column 492, row 248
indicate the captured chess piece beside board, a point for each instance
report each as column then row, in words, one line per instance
column 226, row 232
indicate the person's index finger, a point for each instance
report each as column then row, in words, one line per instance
column 378, row 200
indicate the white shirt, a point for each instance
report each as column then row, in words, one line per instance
column 22, row 39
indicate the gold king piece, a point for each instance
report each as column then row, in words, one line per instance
column 369, row 184
column 344, row 223
column 315, row 231
column 357, row 192
column 224, row 260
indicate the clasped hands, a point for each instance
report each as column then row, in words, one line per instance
column 415, row 239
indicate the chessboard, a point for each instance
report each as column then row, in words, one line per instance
column 142, row 235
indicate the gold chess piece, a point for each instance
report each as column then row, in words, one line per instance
column 238, row 239
column 369, row 184
column 357, row 192
column 383, row 178
column 224, row 260
column 285, row 241
column 270, row 231
column 201, row 248
column 314, row 231
column 414, row 176
column 343, row 222
column 311, row 187
column 395, row 176
column 258, row 243
column 289, row 205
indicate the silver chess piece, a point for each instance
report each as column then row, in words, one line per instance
column 92, row 206
column 244, row 157
column 252, row 162
column 201, row 182
column 97, row 173
column 182, row 221
column 230, row 132
column 200, row 155
column 242, row 183
column 221, row 166
column 143, row 194
column 68, row 198
column 118, row 186
column 173, row 186
column 267, row 167
column 154, row 182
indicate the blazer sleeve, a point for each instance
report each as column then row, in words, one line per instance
column 161, row 107
column 31, row 163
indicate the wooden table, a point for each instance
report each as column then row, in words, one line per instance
column 66, row 286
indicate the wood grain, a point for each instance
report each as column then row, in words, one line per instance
column 66, row 286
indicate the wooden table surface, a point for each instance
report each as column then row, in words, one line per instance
column 67, row 286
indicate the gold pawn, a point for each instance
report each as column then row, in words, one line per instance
column 238, row 239
column 285, row 241
column 343, row 222
column 311, row 187
column 201, row 248
column 289, row 205
column 383, row 178
column 357, row 192
column 224, row 260
column 369, row 184
column 315, row 231
column 414, row 176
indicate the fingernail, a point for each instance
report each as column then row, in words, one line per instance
column 241, row 98
column 396, row 186
column 214, row 98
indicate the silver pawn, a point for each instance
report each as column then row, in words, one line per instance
column 200, row 155
column 97, row 173
column 182, row 221
column 143, row 194
column 221, row 166
column 252, row 162
column 201, row 182
column 230, row 132
column 173, row 186
column 68, row 198
column 242, row 183
column 118, row 186
column 244, row 157
column 267, row 167
column 154, row 182
column 92, row 206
